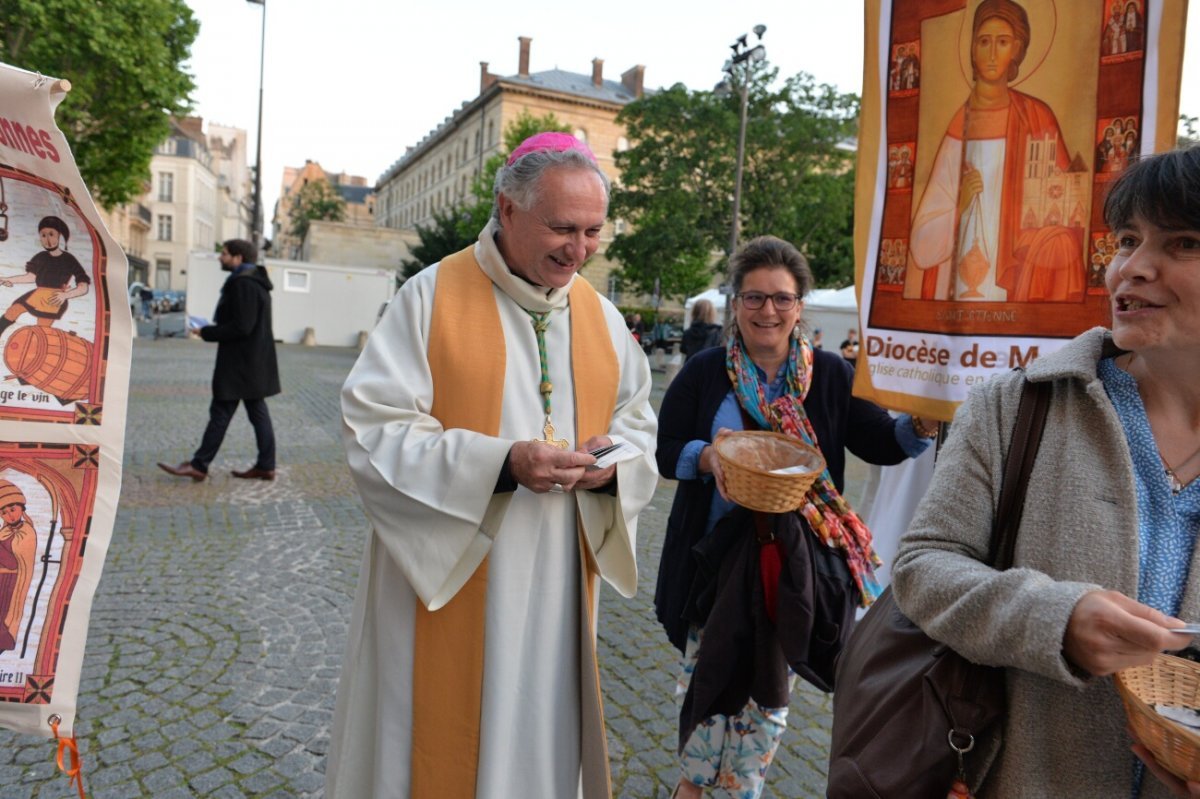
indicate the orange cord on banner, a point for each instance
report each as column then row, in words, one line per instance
column 75, row 772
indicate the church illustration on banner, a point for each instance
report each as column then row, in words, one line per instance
column 1052, row 196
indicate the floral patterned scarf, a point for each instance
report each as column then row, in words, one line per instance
column 825, row 510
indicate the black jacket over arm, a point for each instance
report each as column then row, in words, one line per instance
column 839, row 420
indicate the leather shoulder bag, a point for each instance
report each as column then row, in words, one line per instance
column 908, row 708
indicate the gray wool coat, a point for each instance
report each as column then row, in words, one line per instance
column 1064, row 736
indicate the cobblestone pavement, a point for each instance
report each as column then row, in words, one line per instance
column 218, row 627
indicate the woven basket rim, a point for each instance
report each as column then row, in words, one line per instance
column 1136, row 704
column 767, row 473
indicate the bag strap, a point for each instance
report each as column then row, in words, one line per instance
column 1022, row 452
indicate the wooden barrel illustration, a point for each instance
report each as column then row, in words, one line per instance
column 53, row 360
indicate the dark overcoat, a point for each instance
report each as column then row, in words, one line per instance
column 246, row 366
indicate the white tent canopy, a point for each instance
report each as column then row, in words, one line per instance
column 833, row 311
column 712, row 295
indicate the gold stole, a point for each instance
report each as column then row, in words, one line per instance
column 467, row 360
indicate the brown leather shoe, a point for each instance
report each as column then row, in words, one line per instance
column 184, row 469
column 255, row 473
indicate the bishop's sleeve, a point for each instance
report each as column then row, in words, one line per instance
column 427, row 491
column 610, row 522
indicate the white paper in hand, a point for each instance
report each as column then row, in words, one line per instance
column 614, row 453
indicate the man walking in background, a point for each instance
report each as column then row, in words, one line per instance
column 246, row 369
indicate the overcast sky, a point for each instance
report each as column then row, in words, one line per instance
column 351, row 83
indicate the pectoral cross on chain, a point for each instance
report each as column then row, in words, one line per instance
column 541, row 321
column 548, row 437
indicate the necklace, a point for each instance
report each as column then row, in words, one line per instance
column 1177, row 485
column 541, row 321
column 1172, row 476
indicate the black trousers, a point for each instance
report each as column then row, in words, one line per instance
column 220, row 414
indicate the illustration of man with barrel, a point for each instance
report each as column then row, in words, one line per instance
column 52, row 271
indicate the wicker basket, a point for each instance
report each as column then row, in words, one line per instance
column 1167, row 681
column 748, row 458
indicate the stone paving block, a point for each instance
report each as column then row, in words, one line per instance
column 278, row 747
column 208, row 782
column 162, row 780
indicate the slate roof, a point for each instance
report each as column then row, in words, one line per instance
column 354, row 194
column 610, row 91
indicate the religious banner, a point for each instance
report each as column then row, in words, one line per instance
column 65, row 338
column 990, row 132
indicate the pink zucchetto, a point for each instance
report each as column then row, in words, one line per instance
column 556, row 142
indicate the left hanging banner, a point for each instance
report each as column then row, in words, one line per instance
column 64, row 385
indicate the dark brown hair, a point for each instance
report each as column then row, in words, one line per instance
column 1162, row 189
column 770, row 252
column 243, row 248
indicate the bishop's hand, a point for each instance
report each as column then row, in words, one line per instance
column 540, row 467
column 596, row 478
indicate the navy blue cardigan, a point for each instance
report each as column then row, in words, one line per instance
column 839, row 420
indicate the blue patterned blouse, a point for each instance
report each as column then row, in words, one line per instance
column 1167, row 522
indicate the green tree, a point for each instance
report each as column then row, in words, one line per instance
column 1189, row 135
column 459, row 225
column 677, row 180
column 124, row 61
column 316, row 200
column 446, row 236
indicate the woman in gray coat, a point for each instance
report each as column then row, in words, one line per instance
column 1105, row 557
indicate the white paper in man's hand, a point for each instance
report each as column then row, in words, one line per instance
column 614, row 453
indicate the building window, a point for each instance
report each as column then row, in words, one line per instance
column 581, row 134
column 162, row 274
column 295, row 280
column 614, row 289
column 166, row 187
column 622, row 144
column 619, row 226
column 165, row 227
column 491, row 133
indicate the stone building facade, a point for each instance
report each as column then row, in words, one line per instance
column 129, row 225
column 355, row 245
column 354, row 190
column 438, row 171
column 198, row 195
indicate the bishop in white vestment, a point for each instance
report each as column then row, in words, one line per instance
column 470, row 667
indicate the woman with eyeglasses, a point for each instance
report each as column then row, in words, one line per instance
column 769, row 377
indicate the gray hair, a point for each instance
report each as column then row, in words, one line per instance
column 520, row 181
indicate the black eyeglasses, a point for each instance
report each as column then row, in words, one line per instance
column 753, row 300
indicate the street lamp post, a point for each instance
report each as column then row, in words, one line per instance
column 256, row 232
column 743, row 57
